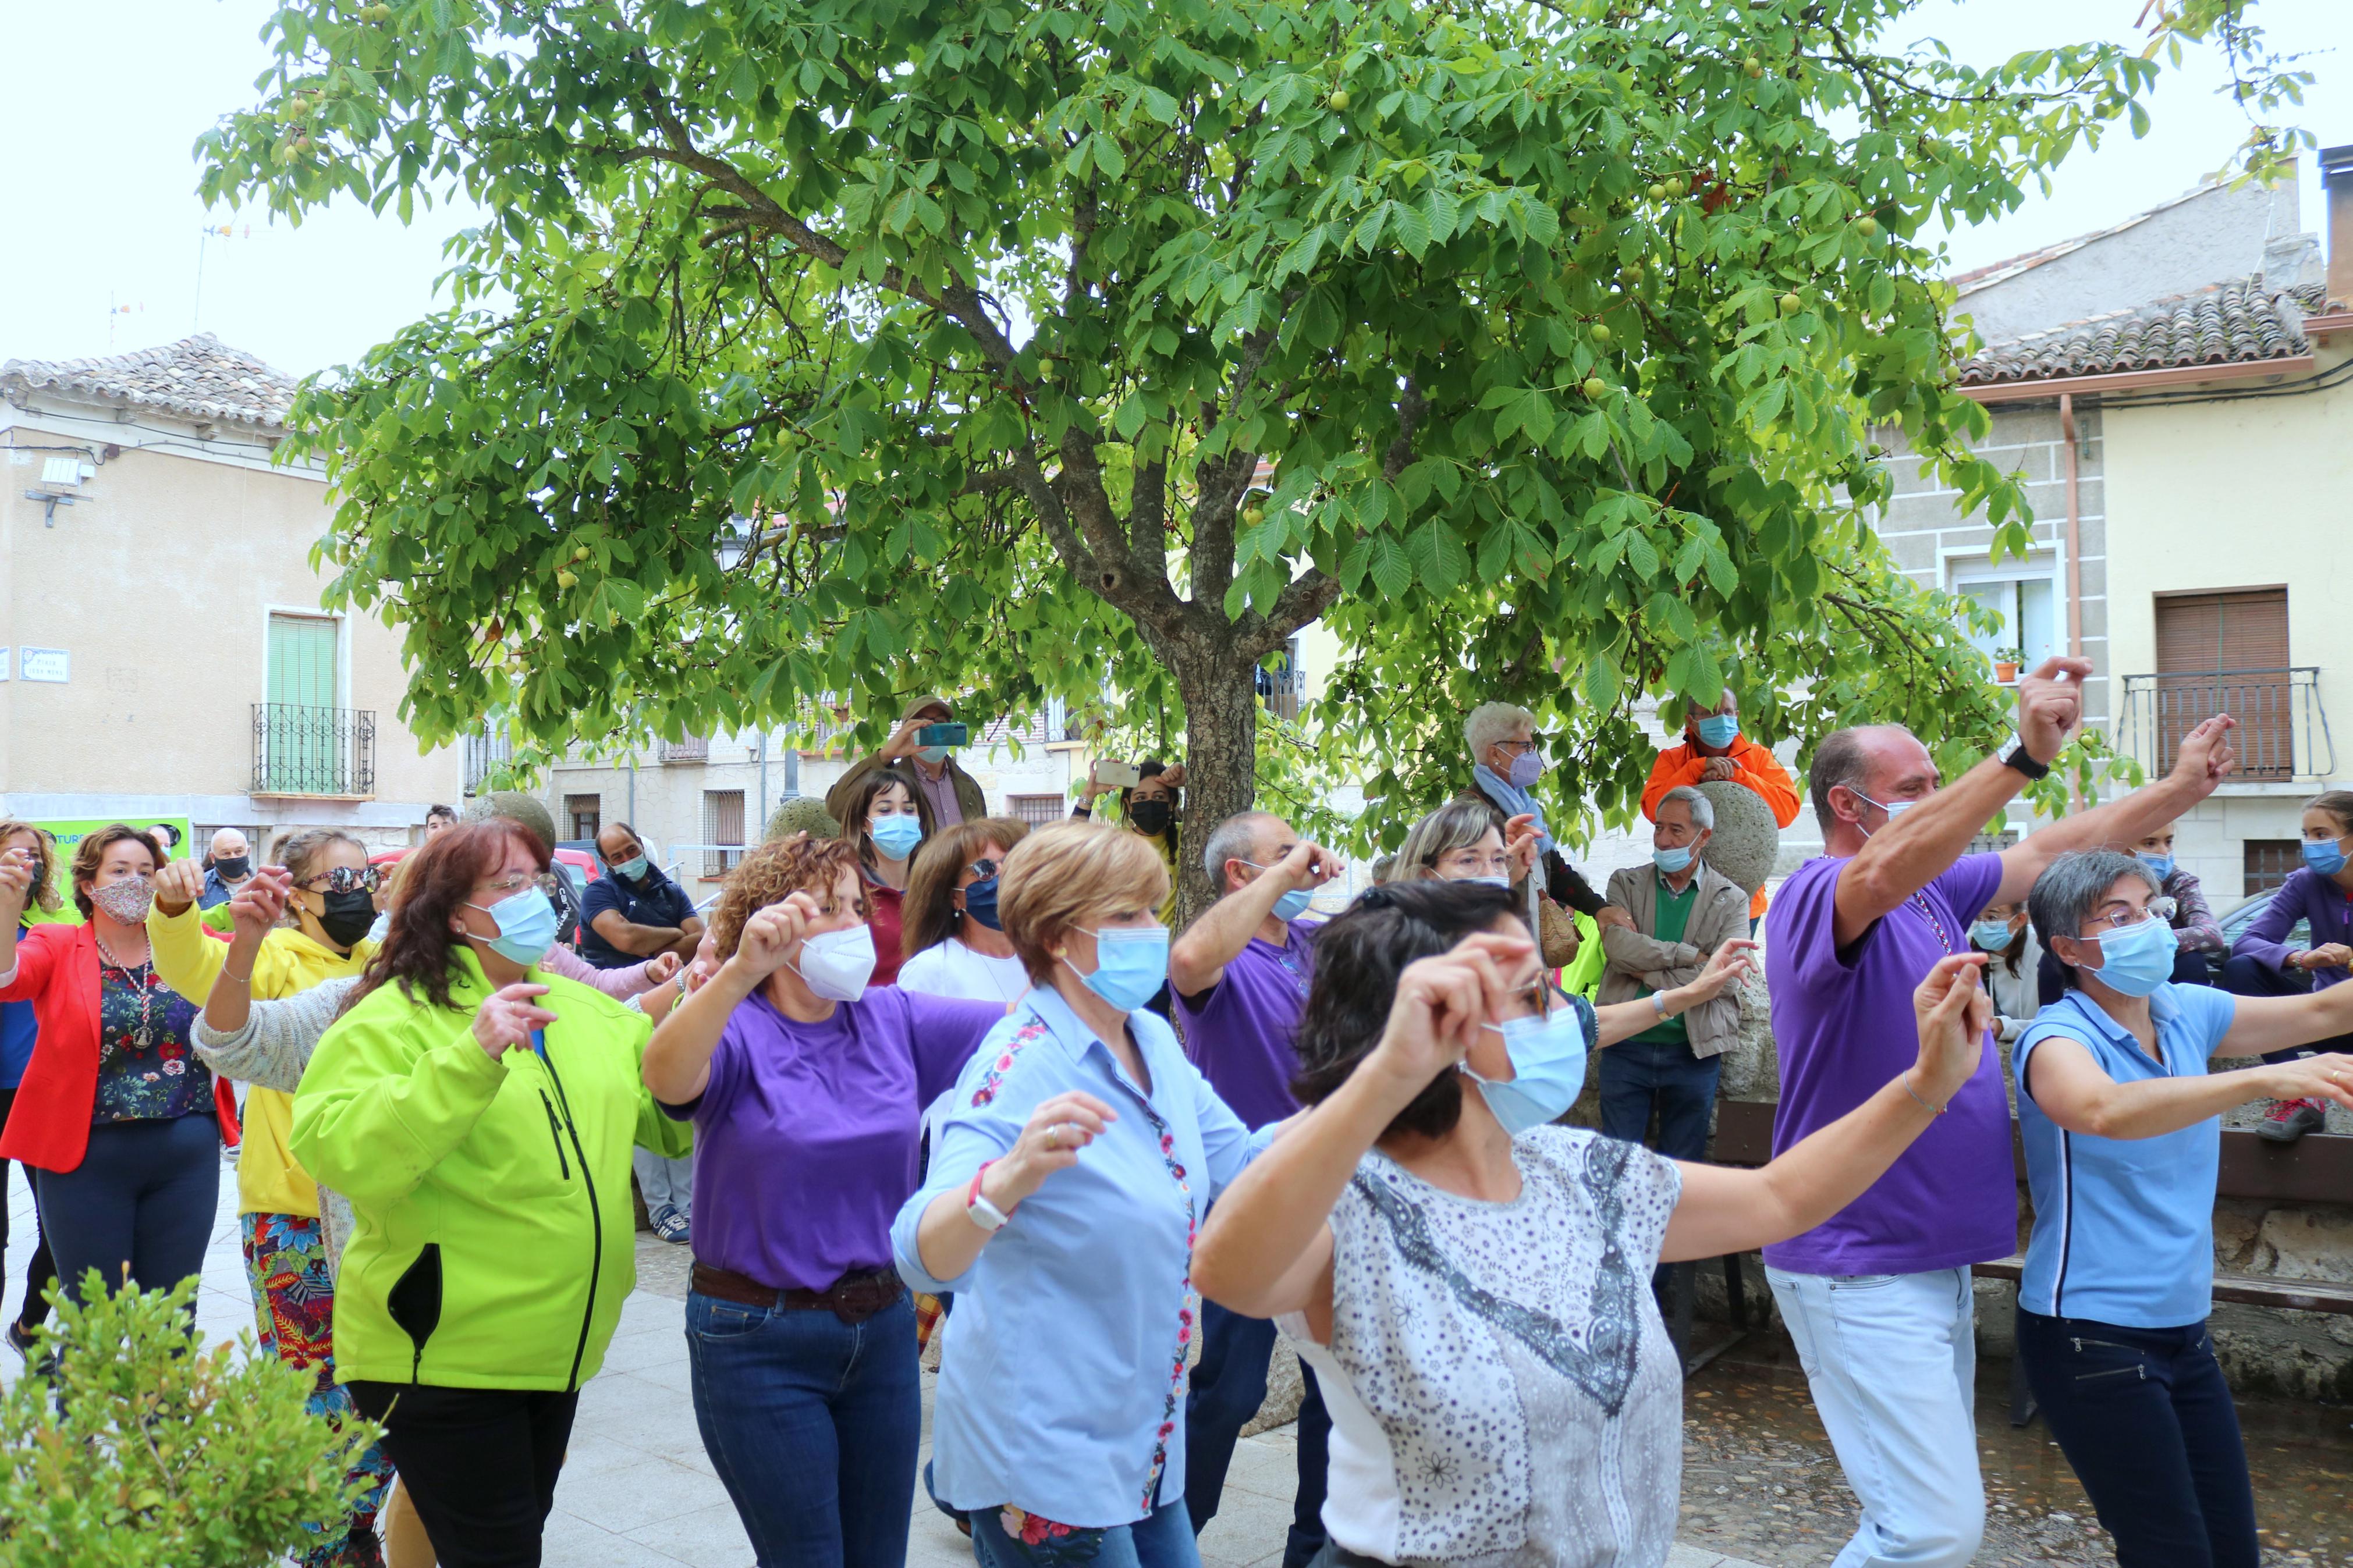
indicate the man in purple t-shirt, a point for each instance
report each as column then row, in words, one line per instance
column 1241, row 974
column 1879, row 1299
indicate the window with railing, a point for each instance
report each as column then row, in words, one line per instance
column 1036, row 810
column 2282, row 729
column 723, row 830
column 691, row 749
column 299, row 749
column 485, row 755
column 1280, row 683
column 587, row 815
column 2268, row 863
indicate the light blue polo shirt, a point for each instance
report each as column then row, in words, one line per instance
column 2123, row 1227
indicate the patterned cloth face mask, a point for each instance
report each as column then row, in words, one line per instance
column 127, row 902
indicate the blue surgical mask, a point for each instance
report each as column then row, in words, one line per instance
column 1894, row 808
column 1719, row 729
column 980, row 902
column 527, row 923
column 1292, row 904
column 2137, row 960
column 895, row 837
column 1131, row 965
column 1527, row 768
column 1992, row 936
column 2160, row 864
column 630, row 870
column 1548, row 1056
column 2325, row 858
column 934, row 755
column 1673, row 862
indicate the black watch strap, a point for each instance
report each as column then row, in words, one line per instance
column 2015, row 755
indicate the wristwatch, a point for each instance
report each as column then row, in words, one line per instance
column 978, row 1209
column 2014, row 755
column 1659, row 1003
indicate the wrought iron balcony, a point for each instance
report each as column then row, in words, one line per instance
column 486, row 751
column 2283, row 732
column 301, row 750
column 693, row 748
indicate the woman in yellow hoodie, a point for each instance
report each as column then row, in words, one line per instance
column 331, row 907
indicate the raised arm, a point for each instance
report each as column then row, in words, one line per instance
column 1725, row 1210
column 186, row 960
column 1197, row 960
column 273, row 1045
column 2068, row 1082
column 15, row 887
column 1624, row 1020
column 2205, row 760
column 2260, row 1025
column 678, row 1059
column 254, row 910
column 1914, row 849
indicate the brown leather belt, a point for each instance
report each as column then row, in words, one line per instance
column 853, row 1297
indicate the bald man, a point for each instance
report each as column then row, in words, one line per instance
column 228, row 866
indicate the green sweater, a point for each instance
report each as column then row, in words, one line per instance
column 492, row 1240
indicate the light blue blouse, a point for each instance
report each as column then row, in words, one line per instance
column 2123, row 1227
column 1063, row 1378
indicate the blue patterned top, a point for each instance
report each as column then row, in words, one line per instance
column 156, row 1080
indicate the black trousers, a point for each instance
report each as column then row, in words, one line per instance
column 41, row 1271
column 479, row 1463
column 2146, row 1419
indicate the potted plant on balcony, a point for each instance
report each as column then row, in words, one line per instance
column 2005, row 664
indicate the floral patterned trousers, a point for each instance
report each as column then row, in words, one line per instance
column 294, row 1312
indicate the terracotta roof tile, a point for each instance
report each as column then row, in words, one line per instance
column 2236, row 322
column 198, row 378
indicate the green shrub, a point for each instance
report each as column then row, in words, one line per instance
column 136, row 1450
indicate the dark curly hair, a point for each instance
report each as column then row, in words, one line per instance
column 1358, row 958
column 420, row 954
column 773, row 873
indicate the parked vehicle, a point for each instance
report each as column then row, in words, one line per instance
column 2241, row 915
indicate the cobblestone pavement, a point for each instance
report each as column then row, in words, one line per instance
column 1759, row 1477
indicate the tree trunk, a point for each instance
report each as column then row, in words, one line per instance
column 1220, row 697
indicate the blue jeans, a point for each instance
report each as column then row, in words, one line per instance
column 1635, row 1076
column 812, row 1425
column 1891, row 1361
column 141, row 1202
column 1161, row 1539
column 2146, row 1418
column 1229, row 1385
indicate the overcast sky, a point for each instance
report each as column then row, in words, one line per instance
column 106, row 96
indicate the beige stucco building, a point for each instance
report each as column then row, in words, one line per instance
column 166, row 652
column 2176, row 392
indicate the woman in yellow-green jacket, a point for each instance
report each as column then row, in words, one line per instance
column 478, row 1113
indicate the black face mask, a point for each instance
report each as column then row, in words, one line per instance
column 1149, row 815
column 349, row 917
column 234, row 868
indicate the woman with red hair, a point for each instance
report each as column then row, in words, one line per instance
column 478, row 1112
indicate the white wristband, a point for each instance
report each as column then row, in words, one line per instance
column 985, row 1215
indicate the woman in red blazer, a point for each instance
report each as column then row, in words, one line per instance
column 116, row 1118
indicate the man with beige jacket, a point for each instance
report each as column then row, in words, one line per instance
column 1682, row 909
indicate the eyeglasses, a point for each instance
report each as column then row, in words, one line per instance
column 1517, row 747
column 1472, row 863
column 507, row 887
column 2118, row 917
column 347, row 879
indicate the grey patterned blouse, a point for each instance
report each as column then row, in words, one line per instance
column 1501, row 1389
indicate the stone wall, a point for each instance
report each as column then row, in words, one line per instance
column 2300, row 1355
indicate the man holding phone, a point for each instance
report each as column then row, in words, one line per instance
column 922, row 751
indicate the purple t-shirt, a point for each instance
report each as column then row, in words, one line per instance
column 1239, row 1032
column 1844, row 1026
column 805, row 1139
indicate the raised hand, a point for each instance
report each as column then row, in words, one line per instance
column 1442, row 1002
column 2051, row 706
column 16, row 882
column 1520, row 844
column 772, row 932
column 508, row 1017
column 178, row 884
column 2207, row 756
column 902, row 742
column 661, row 966
column 1061, row 1126
column 1953, row 1013
column 255, row 909
column 1308, row 864
column 1726, row 965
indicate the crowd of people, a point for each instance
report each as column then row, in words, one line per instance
column 926, row 1073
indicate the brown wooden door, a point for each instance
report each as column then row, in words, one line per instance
column 2227, row 653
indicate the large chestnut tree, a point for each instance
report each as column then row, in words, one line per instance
column 1090, row 349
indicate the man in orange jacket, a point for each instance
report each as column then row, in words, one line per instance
column 1713, row 748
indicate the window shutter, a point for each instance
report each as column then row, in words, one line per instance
column 2227, row 653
